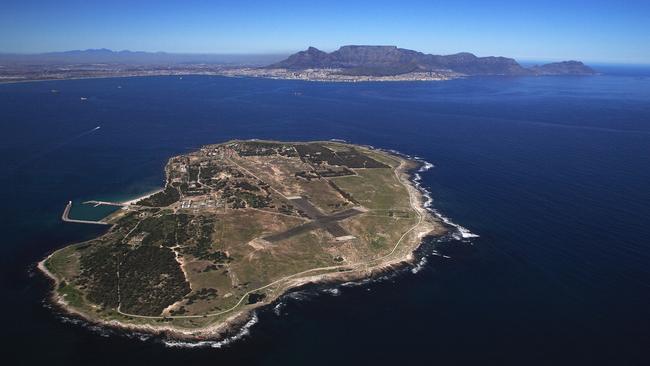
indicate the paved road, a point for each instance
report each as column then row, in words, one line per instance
column 319, row 221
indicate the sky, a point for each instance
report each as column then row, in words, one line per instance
column 614, row 31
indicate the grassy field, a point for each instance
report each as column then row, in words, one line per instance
column 376, row 189
column 65, row 262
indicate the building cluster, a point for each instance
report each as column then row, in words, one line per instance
column 336, row 75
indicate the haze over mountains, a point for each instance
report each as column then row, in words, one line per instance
column 354, row 60
column 391, row 60
column 103, row 55
column 348, row 63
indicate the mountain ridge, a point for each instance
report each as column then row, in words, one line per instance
column 392, row 60
column 108, row 56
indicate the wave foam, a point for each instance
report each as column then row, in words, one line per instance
column 332, row 291
column 418, row 267
column 277, row 309
column 243, row 332
column 426, row 166
column 461, row 231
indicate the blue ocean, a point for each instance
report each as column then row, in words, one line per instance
column 551, row 173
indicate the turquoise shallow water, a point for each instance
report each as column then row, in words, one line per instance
column 550, row 172
column 81, row 211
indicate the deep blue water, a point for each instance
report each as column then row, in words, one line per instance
column 552, row 173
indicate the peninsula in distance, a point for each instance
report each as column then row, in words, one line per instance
column 347, row 64
column 236, row 226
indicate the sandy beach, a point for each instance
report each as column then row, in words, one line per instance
column 147, row 195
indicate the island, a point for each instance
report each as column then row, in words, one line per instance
column 236, row 226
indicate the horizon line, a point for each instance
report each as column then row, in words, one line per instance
column 328, row 50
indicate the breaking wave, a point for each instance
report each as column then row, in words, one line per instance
column 332, row 291
column 243, row 332
column 460, row 233
column 100, row 330
column 277, row 309
column 418, row 267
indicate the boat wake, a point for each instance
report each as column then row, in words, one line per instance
column 48, row 150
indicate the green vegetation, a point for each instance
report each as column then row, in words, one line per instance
column 167, row 230
column 70, row 294
column 161, row 199
column 98, row 275
column 253, row 200
column 150, row 280
column 375, row 189
column 64, row 262
column 378, row 242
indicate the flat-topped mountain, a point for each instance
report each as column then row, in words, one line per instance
column 391, row 60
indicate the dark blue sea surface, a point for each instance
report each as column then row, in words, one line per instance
column 552, row 173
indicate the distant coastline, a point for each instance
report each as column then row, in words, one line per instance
column 347, row 64
column 276, row 74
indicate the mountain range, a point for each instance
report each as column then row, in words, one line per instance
column 107, row 56
column 348, row 63
column 391, row 60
